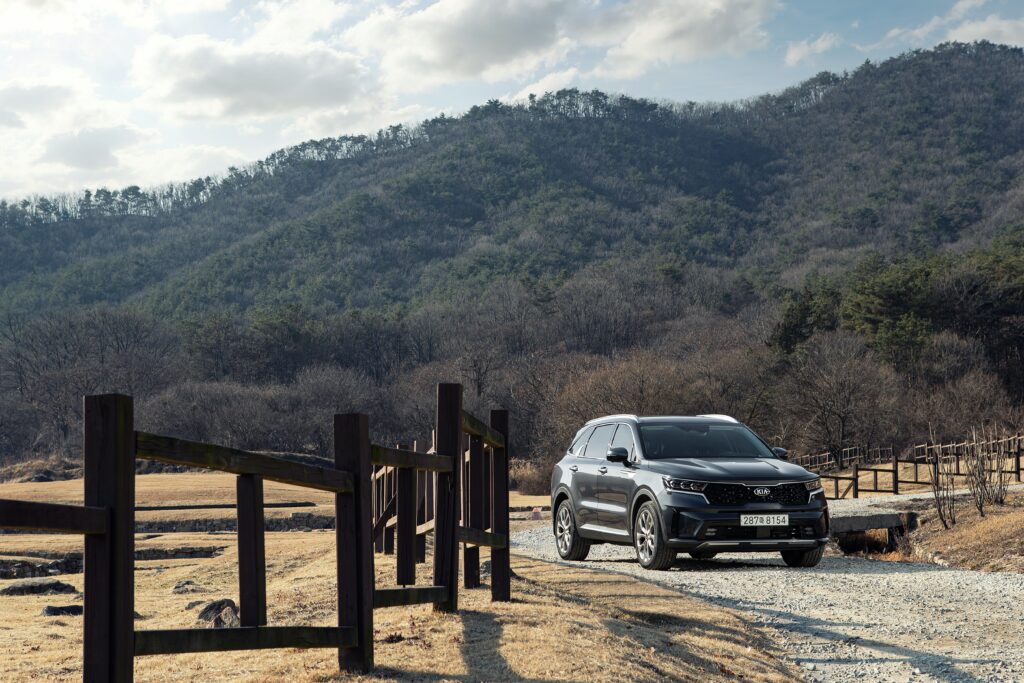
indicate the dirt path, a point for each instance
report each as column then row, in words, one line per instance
column 851, row 619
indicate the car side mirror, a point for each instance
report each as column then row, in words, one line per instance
column 781, row 453
column 617, row 454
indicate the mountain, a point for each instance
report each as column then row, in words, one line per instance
column 919, row 152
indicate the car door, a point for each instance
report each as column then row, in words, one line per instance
column 586, row 477
column 615, row 484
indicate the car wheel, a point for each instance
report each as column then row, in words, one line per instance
column 803, row 558
column 702, row 554
column 651, row 550
column 571, row 546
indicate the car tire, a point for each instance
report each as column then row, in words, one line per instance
column 702, row 554
column 571, row 546
column 803, row 558
column 651, row 550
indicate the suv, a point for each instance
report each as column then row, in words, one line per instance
column 702, row 485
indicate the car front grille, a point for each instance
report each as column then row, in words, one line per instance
column 750, row 533
column 739, row 494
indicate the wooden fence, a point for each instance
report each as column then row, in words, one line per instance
column 107, row 520
column 1008, row 452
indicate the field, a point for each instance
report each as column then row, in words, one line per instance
column 563, row 624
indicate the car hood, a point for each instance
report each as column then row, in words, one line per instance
column 729, row 469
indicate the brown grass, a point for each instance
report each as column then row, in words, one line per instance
column 994, row 542
column 565, row 623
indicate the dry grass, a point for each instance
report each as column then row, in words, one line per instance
column 994, row 542
column 565, row 623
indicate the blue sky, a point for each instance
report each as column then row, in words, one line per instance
column 118, row 92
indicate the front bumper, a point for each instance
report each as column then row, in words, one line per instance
column 690, row 523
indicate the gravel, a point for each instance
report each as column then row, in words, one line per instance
column 851, row 619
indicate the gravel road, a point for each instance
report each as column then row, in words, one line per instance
column 851, row 619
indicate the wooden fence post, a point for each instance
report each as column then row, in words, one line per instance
column 405, row 525
column 473, row 490
column 448, row 434
column 501, row 571
column 378, row 505
column 856, row 480
column 895, row 473
column 390, row 489
column 109, row 624
column 1016, row 466
column 353, row 528
column 252, row 562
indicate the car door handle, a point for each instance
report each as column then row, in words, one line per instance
column 602, row 470
column 574, row 468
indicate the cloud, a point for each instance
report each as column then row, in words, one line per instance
column 90, row 148
column 645, row 33
column 919, row 34
column 288, row 22
column 197, row 77
column 33, row 98
column 453, row 40
column 552, row 82
column 50, row 17
column 991, row 28
column 798, row 52
column 9, row 119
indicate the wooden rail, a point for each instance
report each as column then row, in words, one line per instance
column 426, row 491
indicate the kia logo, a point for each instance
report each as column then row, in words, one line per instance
column 762, row 491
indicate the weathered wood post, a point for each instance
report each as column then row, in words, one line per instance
column 252, row 562
column 390, row 490
column 446, row 517
column 856, row 480
column 405, row 524
column 501, row 570
column 473, row 491
column 353, row 528
column 895, row 473
column 109, row 454
column 1016, row 457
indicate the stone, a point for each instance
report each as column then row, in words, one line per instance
column 213, row 614
column 62, row 611
column 187, row 586
column 194, row 604
column 38, row 587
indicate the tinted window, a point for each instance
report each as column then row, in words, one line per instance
column 577, row 445
column 695, row 440
column 623, row 439
column 597, row 447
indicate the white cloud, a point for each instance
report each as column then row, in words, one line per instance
column 453, row 40
column 197, row 77
column 75, row 16
column 90, row 148
column 645, row 33
column 286, row 23
column 552, row 82
column 799, row 51
column 920, row 34
column 992, row 28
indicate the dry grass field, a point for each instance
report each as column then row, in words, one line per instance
column 564, row 624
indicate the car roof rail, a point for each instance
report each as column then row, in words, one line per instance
column 727, row 418
column 612, row 417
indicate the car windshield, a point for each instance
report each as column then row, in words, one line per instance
column 700, row 440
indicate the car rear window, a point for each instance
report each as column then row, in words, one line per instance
column 696, row 440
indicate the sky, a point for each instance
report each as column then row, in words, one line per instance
column 113, row 93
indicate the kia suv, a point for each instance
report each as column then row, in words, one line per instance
column 702, row 485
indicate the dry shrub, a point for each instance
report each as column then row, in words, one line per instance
column 529, row 477
column 943, row 484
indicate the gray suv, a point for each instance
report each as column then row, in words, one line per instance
column 702, row 485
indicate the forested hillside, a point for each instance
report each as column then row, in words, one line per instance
column 566, row 256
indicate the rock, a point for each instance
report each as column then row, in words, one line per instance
column 62, row 611
column 137, row 616
column 219, row 614
column 38, row 587
column 194, row 604
column 43, row 476
column 187, row 586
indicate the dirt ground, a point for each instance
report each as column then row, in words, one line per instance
column 564, row 624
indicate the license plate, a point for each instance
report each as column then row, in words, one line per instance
column 764, row 520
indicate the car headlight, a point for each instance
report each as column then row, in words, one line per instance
column 813, row 484
column 684, row 484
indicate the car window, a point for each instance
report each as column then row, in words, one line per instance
column 623, row 439
column 597, row 446
column 697, row 440
column 580, row 441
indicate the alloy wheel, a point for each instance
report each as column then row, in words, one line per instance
column 563, row 530
column 645, row 535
